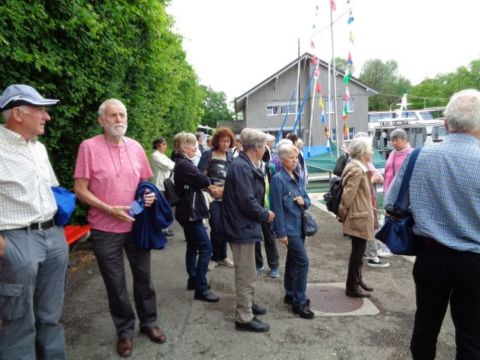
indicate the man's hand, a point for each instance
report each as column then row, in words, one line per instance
column 283, row 240
column 299, row 200
column 148, row 198
column 120, row 213
column 2, row 245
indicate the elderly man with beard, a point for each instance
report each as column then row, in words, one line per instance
column 108, row 170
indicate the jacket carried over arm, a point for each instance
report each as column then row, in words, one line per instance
column 356, row 209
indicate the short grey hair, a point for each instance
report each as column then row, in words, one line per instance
column 103, row 106
column 462, row 113
column 359, row 146
column 270, row 137
column 6, row 115
column 181, row 140
column 287, row 149
column 252, row 139
column 399, row 134
column 283, row 142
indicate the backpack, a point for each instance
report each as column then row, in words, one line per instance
column 340, row 164
column 333, row 196
column 170, row 192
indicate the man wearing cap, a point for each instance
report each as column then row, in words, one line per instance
column 33, row 251
column 108, row 170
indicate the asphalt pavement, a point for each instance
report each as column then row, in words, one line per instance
column 199, row 330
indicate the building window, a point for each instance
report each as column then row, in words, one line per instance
column 272, row 110
column 290, row 109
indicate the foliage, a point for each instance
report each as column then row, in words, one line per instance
column 215, row 107
column 384, row 78
column 437, row 91
column 85, row 51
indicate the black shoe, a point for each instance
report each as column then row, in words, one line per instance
column 207, row 296
column 303, row 310
column 288, row 300
column 258, row 310
column 365, row 286
column 192, row 286
column 255, row 326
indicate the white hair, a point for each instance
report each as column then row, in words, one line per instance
column 359, row 147
column 462, row 113
column 103, row 106
column 287, row 149
column 252, row 139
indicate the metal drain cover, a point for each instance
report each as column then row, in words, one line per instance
column 331, row 299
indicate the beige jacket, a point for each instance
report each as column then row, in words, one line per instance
column 356, row 211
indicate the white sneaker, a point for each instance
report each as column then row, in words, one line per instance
column 384, row 253
column 377, row 263
column 212, row 265
column 226, row 262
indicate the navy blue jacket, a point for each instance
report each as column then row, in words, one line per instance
column 243, row 198
column 147, row 228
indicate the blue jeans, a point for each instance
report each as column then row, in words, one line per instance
column 296, row 270
column 197, row 257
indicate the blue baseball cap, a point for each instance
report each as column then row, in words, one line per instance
column 19, row 94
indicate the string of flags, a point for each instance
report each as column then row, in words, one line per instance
column 346, row 77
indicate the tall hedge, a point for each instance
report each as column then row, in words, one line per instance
column 83, row 52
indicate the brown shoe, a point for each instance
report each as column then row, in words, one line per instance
column 357, row 292
column 124, row 347
column 154, row 333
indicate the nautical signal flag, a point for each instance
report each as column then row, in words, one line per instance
column 350, row 18
column 349, row 59
column 319, row 89
column 346, row 77
column 333, row 5
column 346, row 130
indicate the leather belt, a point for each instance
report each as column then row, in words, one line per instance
column 40, row 225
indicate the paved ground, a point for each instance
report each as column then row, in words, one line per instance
column 198, row 330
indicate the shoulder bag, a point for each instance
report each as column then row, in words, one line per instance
column 397, row 231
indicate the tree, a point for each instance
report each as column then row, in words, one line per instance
column 384, row 78
column 86, row 51
column 215, row 107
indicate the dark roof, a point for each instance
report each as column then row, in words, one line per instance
column 239, row 102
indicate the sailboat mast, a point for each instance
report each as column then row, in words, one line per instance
column 338, row 131
column 297, row 103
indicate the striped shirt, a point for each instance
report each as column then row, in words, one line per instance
column 445, row 192
column 26, row 178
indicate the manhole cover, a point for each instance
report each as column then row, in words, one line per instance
column 331, row 299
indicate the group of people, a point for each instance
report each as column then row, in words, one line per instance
column 248, row 199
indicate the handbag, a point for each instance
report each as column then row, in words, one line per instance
column 309, row 224
column 66, row 204
column 397, row 231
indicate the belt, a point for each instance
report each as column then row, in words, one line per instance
column 40, row 225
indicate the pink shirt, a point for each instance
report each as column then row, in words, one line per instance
column 113, row 173
column 394, row 161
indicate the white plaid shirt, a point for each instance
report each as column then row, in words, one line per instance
column 26, row 178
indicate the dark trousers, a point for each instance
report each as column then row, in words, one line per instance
column 444, row 276
column 219, row 245
column 296, row 270
column 199, row 252
column 270, row 248
column 108, row 249
column 354, row 276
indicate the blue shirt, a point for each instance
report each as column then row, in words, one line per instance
column 444, row 193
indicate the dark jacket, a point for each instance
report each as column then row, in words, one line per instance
column 147, row 228
column 189, row 182
column 206, row 158
column 243, row 211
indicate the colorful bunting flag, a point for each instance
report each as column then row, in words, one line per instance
column 345, row 111
column 347, row 93
column 346, row 77
column 349, row 59
column 350, row 18
column 333, row 5
column 346, row 130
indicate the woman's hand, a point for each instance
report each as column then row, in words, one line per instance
column 283, row 240
column 299, row 201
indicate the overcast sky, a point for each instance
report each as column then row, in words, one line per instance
column 233, row 45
